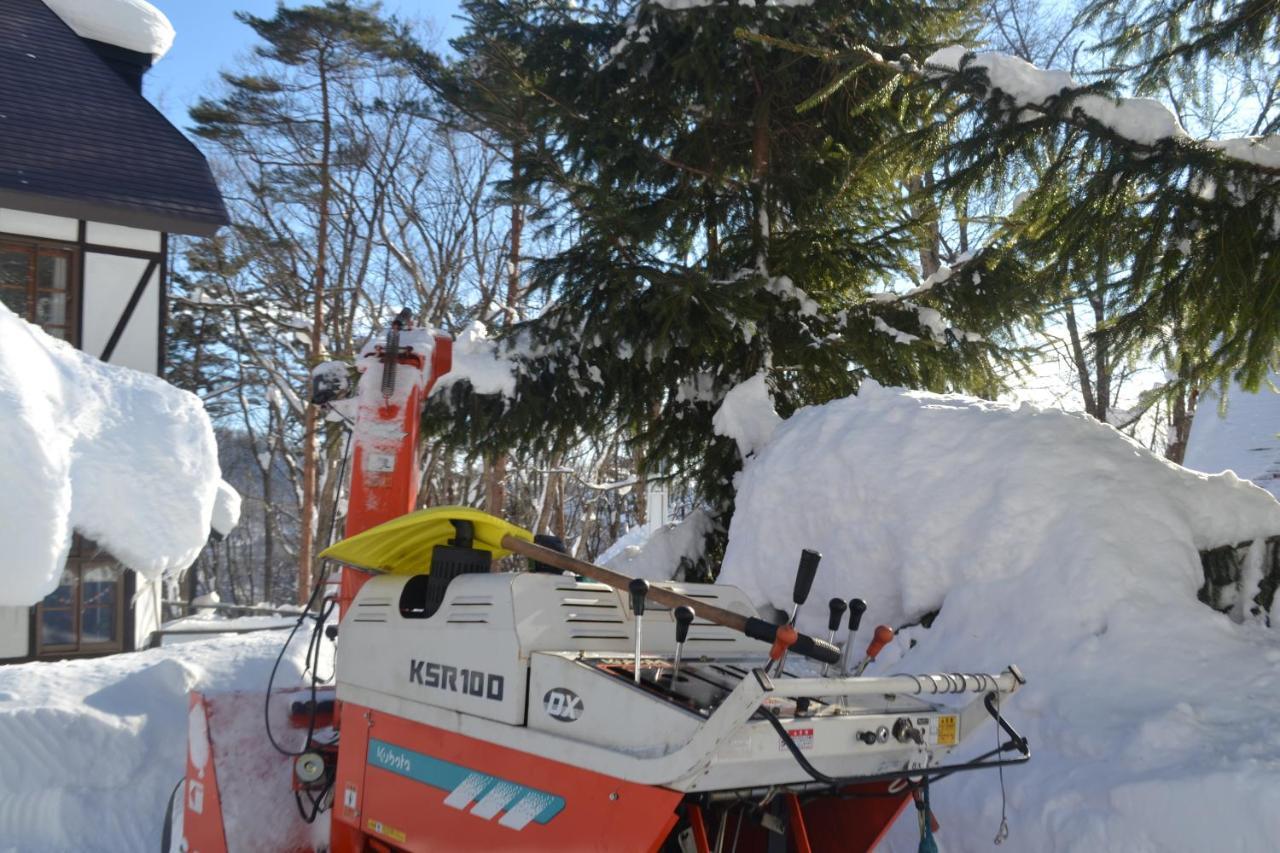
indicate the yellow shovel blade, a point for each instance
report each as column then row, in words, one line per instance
column 403, row 545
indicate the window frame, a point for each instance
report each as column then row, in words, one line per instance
column 84, row 555
column 38, row 247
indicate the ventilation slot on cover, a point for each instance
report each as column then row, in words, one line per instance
column 371, row 611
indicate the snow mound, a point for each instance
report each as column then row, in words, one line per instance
column 657, row 555
column 132, row 24
column 747, row 415
column 1050, row 541
column 92, row 748
column 117, row 455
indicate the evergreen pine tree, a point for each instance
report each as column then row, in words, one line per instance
column 717, row 220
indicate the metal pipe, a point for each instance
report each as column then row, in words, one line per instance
column 937, row 684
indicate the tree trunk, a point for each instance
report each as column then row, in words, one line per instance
column 496, row 491
column 268, row 536
column 1080, row 362
column 311, row 420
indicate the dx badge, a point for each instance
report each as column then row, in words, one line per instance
column 562, row 704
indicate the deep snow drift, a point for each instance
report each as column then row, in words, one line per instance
column 92, row 748
column 1050, row 541
column 120, row 456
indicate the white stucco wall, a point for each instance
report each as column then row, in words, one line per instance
column 109, row 281
column 146, row 610
column 26, row 224
column 102, row 234
column 15, row 632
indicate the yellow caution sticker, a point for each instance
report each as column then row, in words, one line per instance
column 948, row 729
column 382, row 829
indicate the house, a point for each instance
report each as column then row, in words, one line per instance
column 93, row 181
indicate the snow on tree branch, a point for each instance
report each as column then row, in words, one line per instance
column 1145, row 122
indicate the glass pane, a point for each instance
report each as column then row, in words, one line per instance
column 51, row 308
column 100, row 584
column 65, row 594
column 56, row 332
column 57, row 628
column 98, row 625
column 15, row 267
column 51, row 272
column 15, row 299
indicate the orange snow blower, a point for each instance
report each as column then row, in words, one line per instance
column 570, row 707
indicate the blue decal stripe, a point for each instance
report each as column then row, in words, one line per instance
column 465, row 786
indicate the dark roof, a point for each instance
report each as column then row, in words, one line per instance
column 76, row 140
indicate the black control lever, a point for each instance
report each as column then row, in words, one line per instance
column 856, row 608
column 837, row 607
column 639, row 589
column 805, row 573
column 804, row 578
column 684, row 618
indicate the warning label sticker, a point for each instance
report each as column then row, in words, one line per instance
column 382, row 829
column 948, row 730
column 803, row 738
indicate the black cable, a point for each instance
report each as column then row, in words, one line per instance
column 266, row 701
column 313, row 643
column 1017, row 742
column 166, row 830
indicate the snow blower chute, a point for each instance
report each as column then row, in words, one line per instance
column 570, row 707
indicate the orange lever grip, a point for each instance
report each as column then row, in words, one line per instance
column 783, row 640
column 881, row 639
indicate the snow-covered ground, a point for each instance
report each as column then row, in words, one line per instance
column 1050, row 541
column 91, row 749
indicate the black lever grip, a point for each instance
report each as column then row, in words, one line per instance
column 819, row 650
column 684, row 618
column 804, row 575
column 837, row 607
column 856, row 608
column 639, row 588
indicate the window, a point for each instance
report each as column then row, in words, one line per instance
column 36, row 284
column 85, row 614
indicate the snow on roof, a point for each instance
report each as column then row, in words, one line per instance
column 132, row 24
column 120, row 456
column 1243, row 439
column 1050, row 541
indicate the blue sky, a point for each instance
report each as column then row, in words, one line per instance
column 209, row 40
